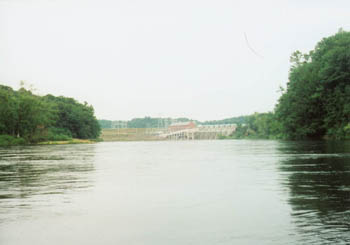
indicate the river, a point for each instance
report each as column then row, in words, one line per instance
column 176, row 193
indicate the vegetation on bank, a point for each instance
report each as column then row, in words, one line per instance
column 26, row 118
column 314, row 105
column 231, row 120
column 257, row 126
column 316, row 102
column 158, row 122
column 71, row 141
column 8, row 140
column 145, row 122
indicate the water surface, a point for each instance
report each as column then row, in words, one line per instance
column 183, row 192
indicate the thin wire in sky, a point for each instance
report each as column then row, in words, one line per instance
column 250, row 47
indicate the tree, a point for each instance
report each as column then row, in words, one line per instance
column 316, row 102
column 8, row 111
column 36, row 118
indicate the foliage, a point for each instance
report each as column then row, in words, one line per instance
column 146, row 122
column 58, row 134
column 105, row 123
column 316, row 103
column 32, row 118
column 78, row 119
column 258, row 126
column 154, row 122
column 8, row 111
column 232, row 120
column 8, row 140
column 157, row 122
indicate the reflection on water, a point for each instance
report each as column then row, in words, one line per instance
column 32, row 175
column 186, row 192
column 318, row 177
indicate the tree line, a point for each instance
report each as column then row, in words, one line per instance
column 158, row 122
column 316, row 102
column 314, row 105
column 29, row 118
column 145, row 122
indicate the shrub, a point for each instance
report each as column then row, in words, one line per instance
column 7, row 140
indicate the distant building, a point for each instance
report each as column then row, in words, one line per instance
column 181, row 126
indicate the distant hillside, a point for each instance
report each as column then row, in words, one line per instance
column 156, row 122
column 146, row 122
column 232, row 120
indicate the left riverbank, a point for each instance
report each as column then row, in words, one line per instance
column 27, row 119
column 7, row 140
column 67, row 142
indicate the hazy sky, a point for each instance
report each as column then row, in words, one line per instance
column 183, row 58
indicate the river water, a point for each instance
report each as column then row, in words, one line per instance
column 176, row 192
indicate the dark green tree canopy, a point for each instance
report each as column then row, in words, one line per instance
column 36, row 118
column 316, row 102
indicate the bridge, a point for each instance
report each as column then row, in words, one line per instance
column 200, row 132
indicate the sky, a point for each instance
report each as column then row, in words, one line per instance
column 206, row 60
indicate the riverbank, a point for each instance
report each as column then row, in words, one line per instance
column 7, row 140
column 130, row 134
column 67, row 142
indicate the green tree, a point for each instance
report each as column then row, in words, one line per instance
column 77, row 118
column 316, row 102
column 32, row 115
column 8, row 111
column 33, row 118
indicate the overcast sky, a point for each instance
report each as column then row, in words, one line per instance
column 185, row 58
